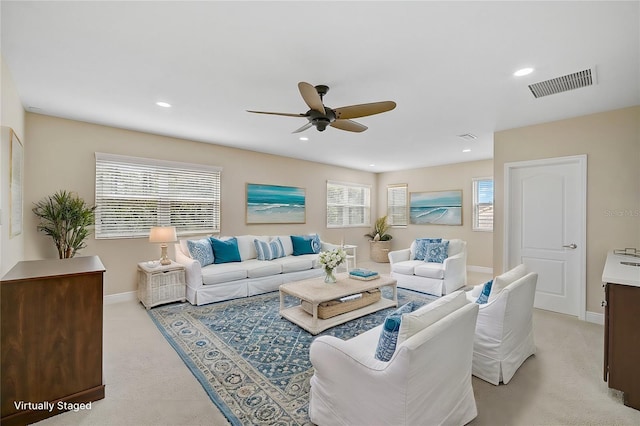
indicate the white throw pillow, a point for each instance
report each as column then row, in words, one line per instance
column 501, row 281
column 423, row 317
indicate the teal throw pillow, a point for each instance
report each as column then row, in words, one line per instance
column 421, row 246
column 305, row 244
column 269, row 251
column 225, row 251
column 389, row 334
column 437, row 252
column 484, row 295
column 201, row 251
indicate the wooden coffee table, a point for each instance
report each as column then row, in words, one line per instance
column 316, row 291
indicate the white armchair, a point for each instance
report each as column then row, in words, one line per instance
column 504, row 330
column 427, row 381
column 430, row 277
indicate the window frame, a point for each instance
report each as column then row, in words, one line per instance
column 170, row 185
column 366, row 205
column 476, row 204
column 390, row 207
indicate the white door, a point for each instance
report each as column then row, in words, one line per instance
column 545, row 228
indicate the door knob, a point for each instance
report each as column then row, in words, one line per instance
column 571, row 246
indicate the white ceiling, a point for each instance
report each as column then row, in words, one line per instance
column 448, row 65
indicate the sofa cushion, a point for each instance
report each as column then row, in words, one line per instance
column 406, row 267
column 224, row 272
column 225, row 251
column 305, row 244
column 257, row 268
column 502, row 281
column 246, row 247
column 287, row 244
column 201, row 251
column 296, row 263
column 426, row 315
column 429, row 270
column 484, row 294
column 437, row 252
column 269, row 251
column 455, row 246
column 389, row 333
column 421, row 247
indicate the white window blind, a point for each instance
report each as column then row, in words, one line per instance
column 483, row 204
column 134, row 194
column 397, row 205
column 348, row 204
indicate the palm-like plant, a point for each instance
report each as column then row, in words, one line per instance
column 66, row 218
column 380, row 229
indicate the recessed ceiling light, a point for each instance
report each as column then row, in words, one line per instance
column 372, row 165
column 304, row 138
column 466, row 150
column 523, row 71
column 163, row 104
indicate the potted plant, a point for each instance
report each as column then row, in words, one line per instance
column 66, row 218
column 380, row 243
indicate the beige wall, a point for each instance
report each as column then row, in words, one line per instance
column 11, row 117
column 440, row 178
column 60, row 155
column 611, row 141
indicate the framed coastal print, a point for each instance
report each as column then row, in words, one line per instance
column 275, row 204
column 436, row 208
column 17, row 161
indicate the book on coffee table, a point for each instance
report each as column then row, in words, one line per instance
column 363, row 274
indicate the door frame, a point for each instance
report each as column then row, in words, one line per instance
column 581, row 160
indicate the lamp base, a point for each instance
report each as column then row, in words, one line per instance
column 164, row 259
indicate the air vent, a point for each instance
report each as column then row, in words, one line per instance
column 562, row 84
column 467, row 136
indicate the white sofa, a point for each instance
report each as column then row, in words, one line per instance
column 217, row 282
column 430, row 277
column 504, row 331
column 427, row 381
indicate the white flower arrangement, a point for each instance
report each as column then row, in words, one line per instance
column 332, row 258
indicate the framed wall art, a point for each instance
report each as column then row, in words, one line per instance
column 275, row 204
column 17, row 162
column 436, row 208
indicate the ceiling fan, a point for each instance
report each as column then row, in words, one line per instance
column 321, row 116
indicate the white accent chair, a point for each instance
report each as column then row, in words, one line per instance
column 430, row 277
column 504, row 330
column 427, row 381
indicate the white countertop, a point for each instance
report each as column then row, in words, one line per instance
column 616, row 272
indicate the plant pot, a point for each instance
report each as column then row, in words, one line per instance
column 380, row 251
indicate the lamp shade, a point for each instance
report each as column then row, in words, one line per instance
column 163, row 234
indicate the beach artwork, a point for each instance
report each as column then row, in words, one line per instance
column 436, row 208
column 275, row 204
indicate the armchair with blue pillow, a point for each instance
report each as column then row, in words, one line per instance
column 431, row 265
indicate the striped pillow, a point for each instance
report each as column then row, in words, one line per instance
column 269, row 251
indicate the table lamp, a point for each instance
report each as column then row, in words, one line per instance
column 163, row 235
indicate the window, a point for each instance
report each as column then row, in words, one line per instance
column 397, row 205
column 348, row 204
column 134, row 194
column 483, row 204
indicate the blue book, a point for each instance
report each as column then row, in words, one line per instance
column 365, row 273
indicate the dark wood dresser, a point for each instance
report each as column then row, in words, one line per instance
column 51, row 342
column 622, row 326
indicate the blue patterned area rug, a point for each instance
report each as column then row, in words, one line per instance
column 253, row 364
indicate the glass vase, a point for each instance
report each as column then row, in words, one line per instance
column 329, row 276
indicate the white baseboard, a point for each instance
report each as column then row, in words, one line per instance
column 120, row 297
column 482, row 269
column 594, row 317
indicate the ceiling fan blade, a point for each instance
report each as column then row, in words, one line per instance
column 362, row 110
column 348, row 125
column 303, row 128
column 311, row 96
column 285, row 114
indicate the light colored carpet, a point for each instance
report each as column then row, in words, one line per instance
column 148, row 384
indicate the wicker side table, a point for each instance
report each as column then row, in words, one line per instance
column 161, row 284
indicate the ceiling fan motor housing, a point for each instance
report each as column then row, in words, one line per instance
column 319, row 120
